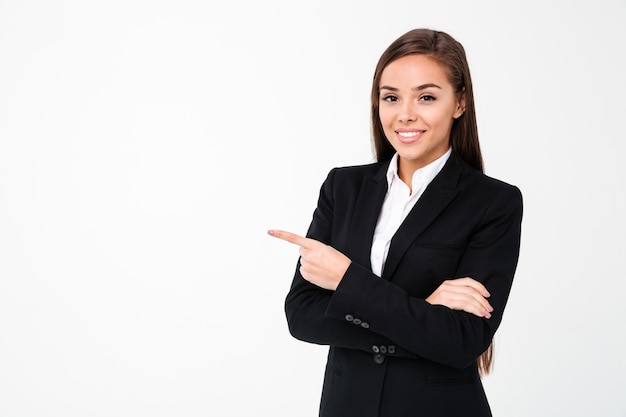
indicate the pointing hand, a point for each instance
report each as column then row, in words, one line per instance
column 320, row 264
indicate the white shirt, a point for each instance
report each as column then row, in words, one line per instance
column 397, row 204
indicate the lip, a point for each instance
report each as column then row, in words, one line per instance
column 407, row 136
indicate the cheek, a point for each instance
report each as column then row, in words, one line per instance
column 386, row 118
column 438, row 119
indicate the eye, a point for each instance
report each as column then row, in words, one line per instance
column 389, row 98
column 427, row 97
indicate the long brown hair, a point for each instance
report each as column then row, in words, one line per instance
column 464, row 133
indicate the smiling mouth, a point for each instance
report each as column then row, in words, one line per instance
column 409, row 135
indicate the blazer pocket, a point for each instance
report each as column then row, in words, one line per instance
column 443, row 375
column 452, row 381
column 440, row 246
column 439, row 260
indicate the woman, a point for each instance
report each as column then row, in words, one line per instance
column 408, row 262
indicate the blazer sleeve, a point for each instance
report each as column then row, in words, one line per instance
column 437, row 333
column 306, row 304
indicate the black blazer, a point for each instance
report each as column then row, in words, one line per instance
column 391, row 353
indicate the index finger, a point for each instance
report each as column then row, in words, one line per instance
column 289, row 237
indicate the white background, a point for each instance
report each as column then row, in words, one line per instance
column 147, row 146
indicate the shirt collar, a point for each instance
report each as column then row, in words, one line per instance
column 428, row 172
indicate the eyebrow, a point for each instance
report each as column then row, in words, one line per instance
column 418, row 88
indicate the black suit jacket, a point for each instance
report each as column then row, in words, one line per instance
column 391, row 353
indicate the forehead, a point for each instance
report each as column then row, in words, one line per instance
column 415, row 70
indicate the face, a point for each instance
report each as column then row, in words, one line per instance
column 417, row 105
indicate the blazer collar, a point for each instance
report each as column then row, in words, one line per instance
column 439, row 193
column 367, row 208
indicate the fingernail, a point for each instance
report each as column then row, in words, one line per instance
column 487, row 315
column 270, row 232
column 486, row 293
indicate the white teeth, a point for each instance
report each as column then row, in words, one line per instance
column 408, row 134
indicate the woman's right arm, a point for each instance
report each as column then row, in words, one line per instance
column 306, row 304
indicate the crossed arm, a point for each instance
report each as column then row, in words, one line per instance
column 324, row 266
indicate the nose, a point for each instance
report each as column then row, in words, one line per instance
column 408, row 112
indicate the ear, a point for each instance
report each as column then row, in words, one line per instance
column 460, row 104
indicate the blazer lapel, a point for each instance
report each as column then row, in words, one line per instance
column 439, row 193
column 366, row 211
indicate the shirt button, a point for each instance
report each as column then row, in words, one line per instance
column 365, row 325
column 349, row 317
column 383, row 349
column 379, row 358
column 376, row 349
column 391, row 349
column 356, row 321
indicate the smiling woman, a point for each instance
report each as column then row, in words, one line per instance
column 408, row 262
column 417, row 107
